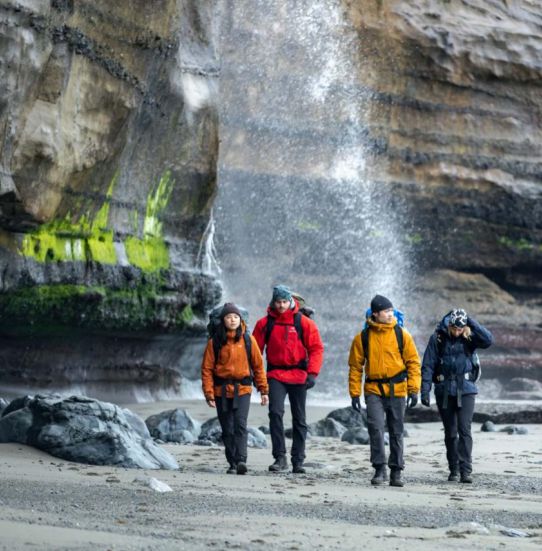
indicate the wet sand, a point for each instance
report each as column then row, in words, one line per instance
column 47, row 503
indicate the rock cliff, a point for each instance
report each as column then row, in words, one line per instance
column 108, row 126
column 408, row 134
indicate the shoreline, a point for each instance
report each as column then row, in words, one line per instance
column 54, row 504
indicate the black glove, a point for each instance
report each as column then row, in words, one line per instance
column 311, row 381
column 356, row 404
column 426, row 400
column 412, row 400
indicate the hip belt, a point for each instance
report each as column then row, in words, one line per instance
column 400, row 377
column 303, row 364
column 220, row 381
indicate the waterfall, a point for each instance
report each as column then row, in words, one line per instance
column 300, row 201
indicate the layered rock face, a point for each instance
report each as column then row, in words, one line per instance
column 108, row 158
column 405, row 132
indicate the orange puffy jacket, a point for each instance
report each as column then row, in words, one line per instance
column 232, row 364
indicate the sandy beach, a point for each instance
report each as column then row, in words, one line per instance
column 47, row 503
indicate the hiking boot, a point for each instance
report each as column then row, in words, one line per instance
column 380, row 476
column 395, row 478
column 280, row 464
column 241, row 468
column 466, row 478
column 232, row 469
column 298, row 468
column 453, row 476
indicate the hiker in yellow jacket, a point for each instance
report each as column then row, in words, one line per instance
column 387, row 355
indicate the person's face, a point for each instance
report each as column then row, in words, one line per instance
column 232, row 321
column 456, row 331
column 384, row 316
column 281, row 305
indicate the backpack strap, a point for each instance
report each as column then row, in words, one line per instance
column 365, row 340
column 271, row 321
column 248, row 348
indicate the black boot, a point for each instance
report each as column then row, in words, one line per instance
column 232, row 469
column 466, row 478
column 395, row 478
column 280, row 464
column 241, row 468
column 380, row 476
column 454, row 475
column 298, row 468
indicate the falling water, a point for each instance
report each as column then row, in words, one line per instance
column 299, row 201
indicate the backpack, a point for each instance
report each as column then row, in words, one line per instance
column 474, row 358
column 397, row 328
column 214, row 323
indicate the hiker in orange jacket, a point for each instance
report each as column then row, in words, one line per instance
column 294, row 358
column 390, row 375
column 231, row 362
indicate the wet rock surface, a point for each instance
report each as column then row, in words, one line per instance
column 83, row 430
column 173, row 426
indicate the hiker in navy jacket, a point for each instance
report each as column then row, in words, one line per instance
column 450, row 364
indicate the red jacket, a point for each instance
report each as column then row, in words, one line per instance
column 285, row 347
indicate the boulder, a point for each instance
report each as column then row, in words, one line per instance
column 348, row 417
column 264, row 429
column 83, row 430
column 356, row 436
column 511, row 429
column 256, row 438
column 3, row 405
column 211, row 433
column 174, row 425
column 327, row 427
column 488, row 426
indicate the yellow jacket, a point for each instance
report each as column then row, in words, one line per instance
column 384, row 361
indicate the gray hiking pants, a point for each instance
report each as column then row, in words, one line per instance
column 382, row 412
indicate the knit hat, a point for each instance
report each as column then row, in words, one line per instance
column 229, row 308
column 380, row 303
column 281, row 292
column 458, row 317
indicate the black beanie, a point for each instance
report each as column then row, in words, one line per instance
column 380, row 303
column 229, row 308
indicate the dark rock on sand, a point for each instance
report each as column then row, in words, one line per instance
column 211, row 433
column 327, row 427
column 510, row 429
column 356, row 436
column 174, row 425
column 83, row 430
column 349, row 417
column 488, row 426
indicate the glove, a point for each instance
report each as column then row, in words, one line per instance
column 426, row 400
column 356, row 404
column 412, row 401
column 311, row 381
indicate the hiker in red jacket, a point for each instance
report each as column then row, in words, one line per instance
column 294, row 358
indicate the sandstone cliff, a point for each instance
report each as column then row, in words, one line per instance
column 108, row 128
column 408, row 134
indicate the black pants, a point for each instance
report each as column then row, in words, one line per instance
column 457, row 431
column 297, row 395
column 234, row 428
column 382, row 411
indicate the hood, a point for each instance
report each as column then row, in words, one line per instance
column 443, row 325
column 381, row 326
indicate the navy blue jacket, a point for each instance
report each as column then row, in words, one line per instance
column 456, row 358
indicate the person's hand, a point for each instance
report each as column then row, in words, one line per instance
column 311, row 381
column 426, row 400
column 265, row 399
column 412, row 400
column 211, row 403
column 356, row 404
